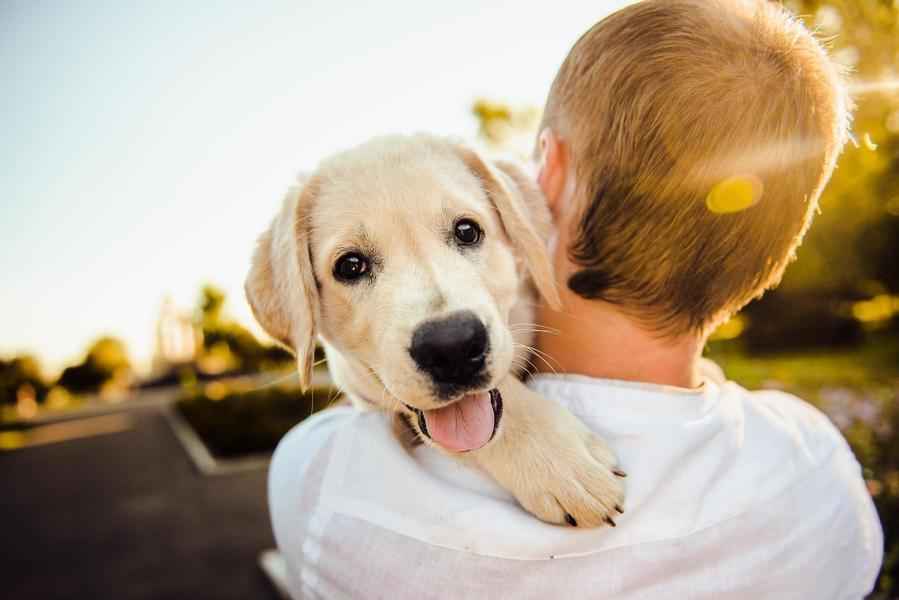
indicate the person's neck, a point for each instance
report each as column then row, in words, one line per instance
column 594, row 338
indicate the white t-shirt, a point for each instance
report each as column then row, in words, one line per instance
column 730, row 495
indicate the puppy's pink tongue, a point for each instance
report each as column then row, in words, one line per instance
column 463, row 425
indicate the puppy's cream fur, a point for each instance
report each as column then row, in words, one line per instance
column 395, row 199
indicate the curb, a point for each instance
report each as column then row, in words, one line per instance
column 202, row 459
column 273, row 566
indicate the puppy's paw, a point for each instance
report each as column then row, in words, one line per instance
column 578, row 484
column 555, row 467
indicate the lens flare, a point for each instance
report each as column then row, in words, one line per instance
column 883, row 86
column 734, row 194
column 773, row 156
column 869, row 143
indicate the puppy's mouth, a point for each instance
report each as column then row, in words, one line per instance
column 465, row 425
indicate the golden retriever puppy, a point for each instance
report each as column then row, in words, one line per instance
column 417, row 263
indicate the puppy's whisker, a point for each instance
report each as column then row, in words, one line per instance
column 531, row 365
column 281, row 379
column 546, row 358
column 528, row 324
column 275, row 381
column 519, row 365
column 333, row 397
column 533, row 331
column 393, row 403
column 543, row 356
column 532, row 328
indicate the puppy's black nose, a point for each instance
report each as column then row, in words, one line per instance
column 451, row 350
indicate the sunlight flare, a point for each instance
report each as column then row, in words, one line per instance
column 883, row 86
column 734, row 194
column 773, row 156
column 869, row 143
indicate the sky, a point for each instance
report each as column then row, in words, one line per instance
column 145, row 145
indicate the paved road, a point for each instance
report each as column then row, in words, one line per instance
column 126, row 516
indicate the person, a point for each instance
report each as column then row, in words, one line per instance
column 684, row 146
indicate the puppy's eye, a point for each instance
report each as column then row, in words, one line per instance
column 467, row 232
column 350, row 266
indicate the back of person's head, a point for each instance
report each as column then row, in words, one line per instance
column 701, row 133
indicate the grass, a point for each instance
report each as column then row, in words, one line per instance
column 875, row 363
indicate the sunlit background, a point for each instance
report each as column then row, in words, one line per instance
column 144, row 146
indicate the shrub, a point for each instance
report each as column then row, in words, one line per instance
column 250, row 422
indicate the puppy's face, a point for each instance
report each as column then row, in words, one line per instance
column 412, row 250
column 416, row 276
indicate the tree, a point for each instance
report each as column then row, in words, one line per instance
column 17, row 372
column 863, row 196
column 106, row 360
column 505, row 127
column 850, row 251
column 230, row 344
column 212, row 299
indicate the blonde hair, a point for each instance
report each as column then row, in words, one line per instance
column 659, row 104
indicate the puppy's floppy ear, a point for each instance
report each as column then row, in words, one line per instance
column 524, row 214
column 281, row 286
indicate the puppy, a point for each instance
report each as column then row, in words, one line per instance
column 417, row 263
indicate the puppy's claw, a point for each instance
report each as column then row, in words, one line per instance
column 580, row 491
column 610, row 521
column 619, row 473
column 619, row 509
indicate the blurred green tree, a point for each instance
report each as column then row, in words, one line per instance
column 17, row 372
column 850, row 252
column 506, row 127
column 851, row 248
column 227, row 345
column 106, row 361
column 212, row 299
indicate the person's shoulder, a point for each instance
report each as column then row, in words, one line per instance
column 783, row 419
column 312, row 434
column 781, row 431
column 307, row 441
column 827, row 489
column 800, row 438
column 300, row 464
column 309, row 445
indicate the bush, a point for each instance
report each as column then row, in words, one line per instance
column 19, row 372
column 800, row 321
column 250, row 422
column 106, row 359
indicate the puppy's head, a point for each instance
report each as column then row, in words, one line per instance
column 406, row 255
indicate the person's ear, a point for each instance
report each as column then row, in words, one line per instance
column 281, row 286
column 552, row 176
